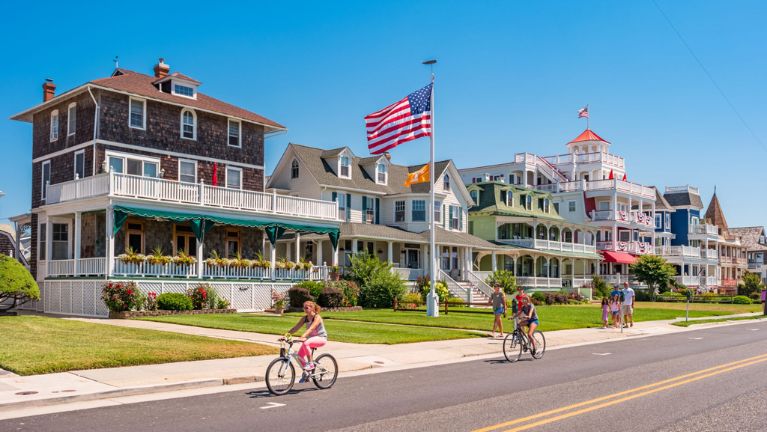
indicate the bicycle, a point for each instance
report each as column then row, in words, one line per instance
column 281, row 374
column 517, row 342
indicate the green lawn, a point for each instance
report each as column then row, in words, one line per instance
column 38, row 345
column 715, row 320
column 338, row 330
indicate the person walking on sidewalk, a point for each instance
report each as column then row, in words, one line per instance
column 605, row 312
column 615, row 306
column 314, row 336
column 498, row 299
column 628, row 305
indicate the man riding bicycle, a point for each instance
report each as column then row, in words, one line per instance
column 528, row 317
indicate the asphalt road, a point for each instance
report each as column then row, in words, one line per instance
column 713, row 379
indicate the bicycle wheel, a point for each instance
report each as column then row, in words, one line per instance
column 512, row 348
column 540, row 344
column 280, row 376
column 325, row 371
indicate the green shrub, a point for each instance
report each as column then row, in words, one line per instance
column 17, row 286
column 600, row 287
column 365, row 266
column 741, row 300
column 751, row 283
column 440, row 289
column 505, row 279
column 454, row 301
column 298, row 295
column 314, row 287
column 222, row 303
column 174, row 301
column 538, row 296
column 212, row 298
column 350, row 290
column 643, row 295
column 200, row 296
column 331, row 298
column 381, row 290
column 121, row 296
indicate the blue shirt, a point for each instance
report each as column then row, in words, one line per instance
column 616, row 292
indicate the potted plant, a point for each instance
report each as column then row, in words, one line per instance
column 131, row 257
column 157, row 257
column 278, row 302
column 334, row 274
column 184, row 259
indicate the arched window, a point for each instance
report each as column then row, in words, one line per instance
column 188, row 124
column 294, row 169
column 446, row 182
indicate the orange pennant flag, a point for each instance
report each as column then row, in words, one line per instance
column 420, row 176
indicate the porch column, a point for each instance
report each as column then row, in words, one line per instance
column 334, row 259
column 495, row 261
column 78, row 241
column 48, row 240
column 390, row 252
column 319, row 253
column 273, row 257
column 200, row 256
column 298, row 246
column 354, row 247
column 110, row 252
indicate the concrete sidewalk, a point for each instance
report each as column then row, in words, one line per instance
column 353, row 359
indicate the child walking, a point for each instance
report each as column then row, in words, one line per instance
column 605, row 312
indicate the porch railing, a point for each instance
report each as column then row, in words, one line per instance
column 61, row 267
column 539, row 282
column 453, row 286
column 550, row 245
column 157, row 189
column 479, row 283
column 147, row 269
column 408, row 274
column 689, row 280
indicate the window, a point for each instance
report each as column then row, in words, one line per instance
column 344, row 163
column 498, row 178
column 509, row 198
column 512, row 179
column 545, row 205
column 134, row 237
column 399, row 211
column 571, row 206
column 150, row 169
column 668, row 221
column 419, row 211
column 234, row 178
column 45, row 178
column 556, row 207
column 134, row 167
column 476, row 179
column 474, row 196
column 71, row 119
column 529, row 203
column 123, row 164
column 60, row 247
column 187, row 171
column 116, row 164
column 235, row 128
column 604, row 205
column 137, row 114
column 79, row 164
column 504, row 196
column 446, row 182
column 294, row 169
column 183, row 90
column 41, row 241
column 232, row 243
column 341, row 198
column 54, row 125
column 381, row 173
column 437, row 212
column 659, row 220
column 370, row 209
column 455, row 217
column 188, row 124
column 540, row 204
column 185, row 241
column 522, row 201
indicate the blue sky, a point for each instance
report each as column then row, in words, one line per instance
column 510, row 78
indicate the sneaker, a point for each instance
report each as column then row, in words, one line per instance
column 304, row 378
column 310, row 366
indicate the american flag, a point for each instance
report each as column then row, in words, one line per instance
column 400, row 122
column 583, row 112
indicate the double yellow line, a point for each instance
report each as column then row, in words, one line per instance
column 554, row 415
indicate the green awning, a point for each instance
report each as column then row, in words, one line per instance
column 202, row 223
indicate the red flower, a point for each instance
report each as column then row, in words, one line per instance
column 129, row 292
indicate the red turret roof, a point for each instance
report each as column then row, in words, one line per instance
column 588, row 135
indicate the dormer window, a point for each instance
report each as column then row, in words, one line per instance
column 475, row 196
column 188, row 124
column 381, row 173
column 446, row 182
column 183, row 90
column 509, row 198
column 344, row 167
column 294, row 169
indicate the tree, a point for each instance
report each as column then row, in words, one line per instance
column 17, row 286
column 752, row 283
column 505, row 279
column 653, row 270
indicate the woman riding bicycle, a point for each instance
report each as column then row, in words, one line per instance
column 528, row 317
column 314, row 336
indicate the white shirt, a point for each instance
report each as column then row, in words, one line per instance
column 628, row 296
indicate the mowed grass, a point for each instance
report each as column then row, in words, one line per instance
column 40, row 345
column 716, row 320
column 338, row 330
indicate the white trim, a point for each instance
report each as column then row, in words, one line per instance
column 385, row 173
column 52, row 131
column 195, row 169
column 341, row 157
column 194, row 124
column 74, row 167
column 143, row 116
column 126, row 156
column 183, row 83
column 144, row 149
column 71, row 129
column 239, row 132
column 226, row 175
column 43, row 192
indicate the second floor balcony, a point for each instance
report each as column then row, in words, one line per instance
column 633, row 247
column 585, row 158
column 551, row 245
column 704, row 229
column 621, row 186
column 628, row 217
column 195, row 194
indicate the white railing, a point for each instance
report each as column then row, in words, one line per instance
column 157, row 189
column 526, row 158
column 482, row 274
column 711, row 281
column 707, row 229
column 453, row 286
column 539, row 282
column 709, row 254
column 235, row 272
column 147, row 269
column 550, row 245
column 408, row 274
column 688, row 280
column 42, row 269
column 688, row 251
column 615, row 279
column 547, row 187
column 621, row 246
column 479, row 283
column 685, row 189
column 91, row 266
column 620, row 185
column 606, row 158
column 61, row 267
column 576, row 282
column 640, row 218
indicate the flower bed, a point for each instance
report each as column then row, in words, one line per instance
column 151, row 313
column 337, row 309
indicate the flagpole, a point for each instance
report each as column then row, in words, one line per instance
column 432, row 300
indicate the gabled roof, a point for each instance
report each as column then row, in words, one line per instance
column 588, row 135
column 178, row 75
column 678, row 199
column 715, row 215
column 660, row 202
column 749, row 237
column 141, row 85
column 490, row 204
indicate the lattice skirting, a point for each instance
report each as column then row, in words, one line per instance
column 83, row 297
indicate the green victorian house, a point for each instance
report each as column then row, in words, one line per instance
column 542, row 249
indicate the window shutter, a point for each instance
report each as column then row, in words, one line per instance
column 364, row 209
column 335, row 196
column 378, row 211
column 460, row 219
column 348, row 207
column 450, row 221
column 442, row 215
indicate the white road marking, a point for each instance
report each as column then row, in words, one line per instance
column 272, row 405
column 696, row 338
column 601, row 354
column 754, row 329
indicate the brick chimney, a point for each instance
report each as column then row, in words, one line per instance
column 49, row 90
column 161, row 69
